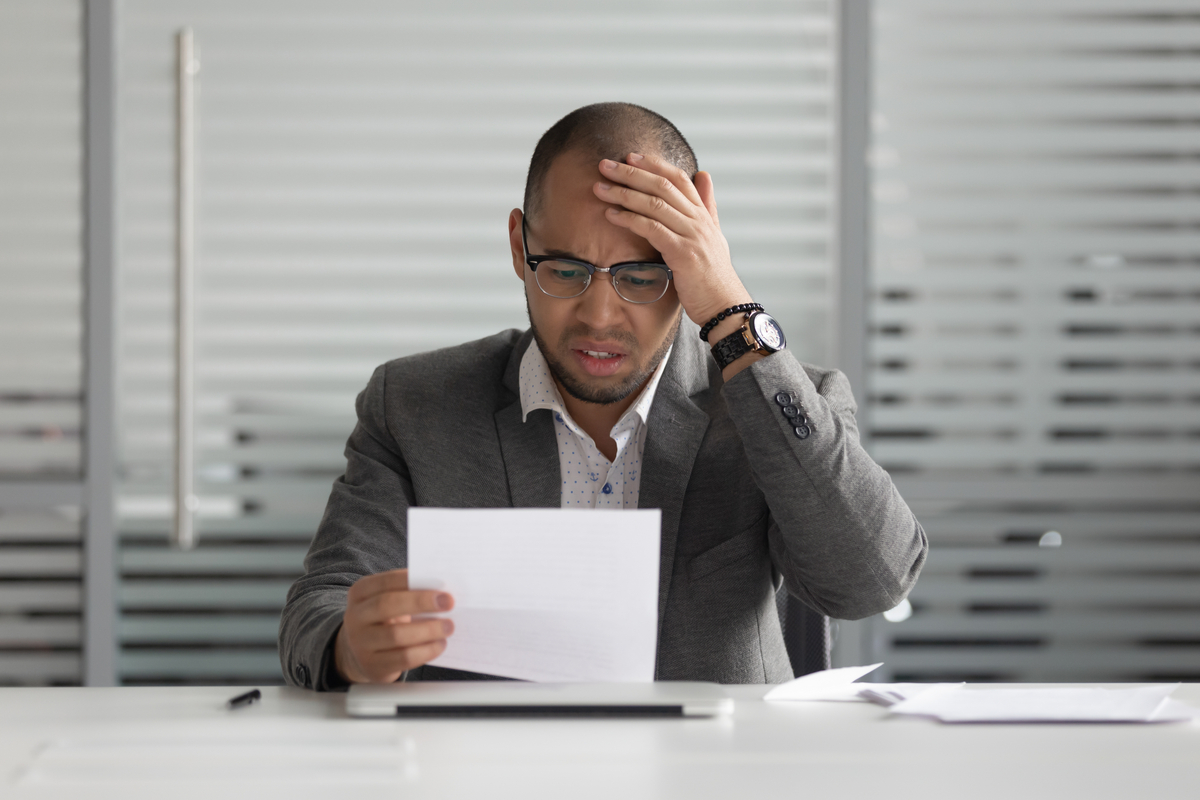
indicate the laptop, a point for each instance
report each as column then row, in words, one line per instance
column 443, row 699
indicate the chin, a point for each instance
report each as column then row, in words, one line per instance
column 576, row 382
column 603, row 391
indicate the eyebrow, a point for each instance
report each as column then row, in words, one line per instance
column 556, row 253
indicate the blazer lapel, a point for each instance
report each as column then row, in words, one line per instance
column 529, row 448
column 674, row 432
column 530, row 452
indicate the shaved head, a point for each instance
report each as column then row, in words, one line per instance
column 606, row 130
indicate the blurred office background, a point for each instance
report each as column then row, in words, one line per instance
column 988, row 215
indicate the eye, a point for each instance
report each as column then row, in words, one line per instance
column 639, row 277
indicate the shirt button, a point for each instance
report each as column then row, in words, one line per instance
column 783, row 398
column 607, row 488
column 801, row 431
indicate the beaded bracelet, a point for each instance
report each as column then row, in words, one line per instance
column 729, row 312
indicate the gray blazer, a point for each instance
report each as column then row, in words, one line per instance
column 745, row 501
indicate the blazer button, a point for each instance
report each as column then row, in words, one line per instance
column 801, row 431
column 791, row 411
column 302, row 676
column 783, row 399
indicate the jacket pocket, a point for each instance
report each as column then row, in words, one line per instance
column 732, row 550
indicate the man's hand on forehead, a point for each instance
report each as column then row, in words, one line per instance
column 657, row 201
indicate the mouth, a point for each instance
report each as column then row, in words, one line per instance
column 599, row 361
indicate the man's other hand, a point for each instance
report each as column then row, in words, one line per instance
column 379, row 638
column 659, row 202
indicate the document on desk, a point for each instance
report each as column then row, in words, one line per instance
column 543, row 594
column 959, row 703
column 828, row 684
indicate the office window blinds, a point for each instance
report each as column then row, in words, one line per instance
column 40, row 227
column 40, row 327
column 1035, row 333
column 356, row 164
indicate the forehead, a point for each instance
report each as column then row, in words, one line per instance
column 570, row 217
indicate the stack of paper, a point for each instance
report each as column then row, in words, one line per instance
column 828, row 684
column 956, row 702
column 889, row 694
column 838, row 685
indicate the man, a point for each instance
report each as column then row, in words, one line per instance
column 613, row 400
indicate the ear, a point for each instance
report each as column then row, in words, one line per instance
column 514, row 242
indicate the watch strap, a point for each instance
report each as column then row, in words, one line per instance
column 731, row 348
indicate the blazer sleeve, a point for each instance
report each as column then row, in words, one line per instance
column 362, row 532
column 839, row 532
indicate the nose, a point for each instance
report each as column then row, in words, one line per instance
column 600, row 306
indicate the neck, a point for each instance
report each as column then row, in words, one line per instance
column 598, row 419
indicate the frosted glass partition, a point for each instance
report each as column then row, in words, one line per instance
column 356, row 165
column 1034, row 353
column 41, row 290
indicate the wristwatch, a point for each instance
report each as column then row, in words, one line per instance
column 760, row 333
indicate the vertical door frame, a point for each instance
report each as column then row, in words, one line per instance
column 852, row 241
column 99, row 598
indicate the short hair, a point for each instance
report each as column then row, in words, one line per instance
column 607, row 130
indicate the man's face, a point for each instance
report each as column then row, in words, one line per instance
column 600, row 347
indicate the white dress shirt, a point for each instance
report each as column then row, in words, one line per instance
column 589, row 480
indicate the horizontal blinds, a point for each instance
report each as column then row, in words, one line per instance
column 357, row 162
column 1035, row 333
column 40, row 228
column 40, row 339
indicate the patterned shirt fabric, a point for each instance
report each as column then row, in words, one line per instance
column 589, row 480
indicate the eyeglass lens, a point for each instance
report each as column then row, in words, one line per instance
column 642, row 283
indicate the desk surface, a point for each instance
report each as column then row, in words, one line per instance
column 182, row 742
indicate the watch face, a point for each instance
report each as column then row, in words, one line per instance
column 768, row 332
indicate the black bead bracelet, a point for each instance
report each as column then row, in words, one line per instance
column 729, row 312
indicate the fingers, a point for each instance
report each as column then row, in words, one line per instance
column 660, row 237
column 655, row 178
column 648, row 205
column 386, row 637
column 376, row 642
column 395, row 580
column 396, row 606
column 385, row 596
column 704, row 187
column 657, row 166
column 383, row 633
column 386, row 667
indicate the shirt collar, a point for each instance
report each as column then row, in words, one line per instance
column 538, row 389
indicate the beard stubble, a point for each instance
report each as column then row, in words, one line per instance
column 603, row 395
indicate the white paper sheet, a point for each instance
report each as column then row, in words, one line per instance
column 828, row 684
column 957, row 703
column 543, row 594
column 889, row 694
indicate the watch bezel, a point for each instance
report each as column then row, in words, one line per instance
column 753, row 328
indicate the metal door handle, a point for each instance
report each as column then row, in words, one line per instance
column 183, row 531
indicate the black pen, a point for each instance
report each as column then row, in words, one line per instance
column 244, row 699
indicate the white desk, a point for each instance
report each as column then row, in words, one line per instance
column 172, row 743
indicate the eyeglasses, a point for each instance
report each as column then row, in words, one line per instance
column 635, row 281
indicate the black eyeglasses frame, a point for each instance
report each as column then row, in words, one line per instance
column 535, row 261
